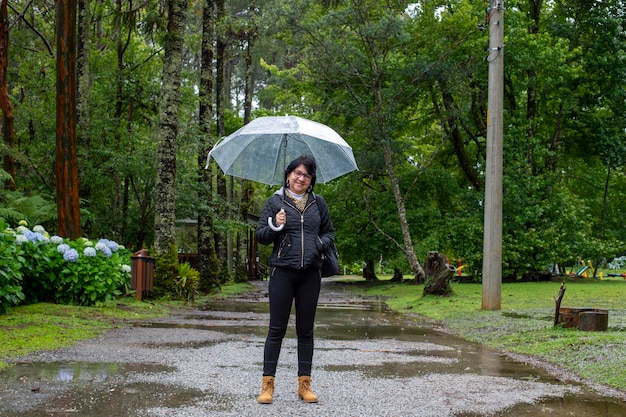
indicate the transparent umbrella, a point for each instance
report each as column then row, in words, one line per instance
column 260, row 150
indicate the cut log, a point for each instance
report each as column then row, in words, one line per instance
column 594, row 321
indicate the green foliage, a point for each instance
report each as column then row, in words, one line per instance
column 187, row 282
column 36, row 209
column 36, row 267
column 11, row 260
column 378, row 72
column 166, row 271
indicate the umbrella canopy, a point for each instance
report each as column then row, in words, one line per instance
column 261, row 150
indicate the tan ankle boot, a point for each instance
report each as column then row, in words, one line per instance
column 267, row 390
column 304, row 390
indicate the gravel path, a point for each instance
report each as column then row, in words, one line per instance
column 368, row 362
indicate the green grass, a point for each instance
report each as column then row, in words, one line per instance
column 524, row 324
column 38, row 327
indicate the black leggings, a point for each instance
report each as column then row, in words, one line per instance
column 287, row 285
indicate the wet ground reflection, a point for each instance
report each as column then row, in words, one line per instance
column 384, row 345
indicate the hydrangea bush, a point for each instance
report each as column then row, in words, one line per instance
column 37, row 267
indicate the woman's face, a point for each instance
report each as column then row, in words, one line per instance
column 299, row 180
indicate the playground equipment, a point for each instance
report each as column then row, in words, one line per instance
column 585, row 271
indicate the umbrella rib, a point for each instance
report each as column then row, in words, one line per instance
column 278, row 161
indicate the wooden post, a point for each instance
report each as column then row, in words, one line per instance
column 492, row 244
column 558, row 300
column 139, row 283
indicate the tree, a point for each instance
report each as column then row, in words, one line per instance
column 353, row 59
column 165, row 216
column 5, row 100
column 66, row 162
column 207, row 256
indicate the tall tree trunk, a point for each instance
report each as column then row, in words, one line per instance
column 165, row 191
column 66, row 161
column 82, row 89
column 416, row 268
column 82, row 74
column 452, row 128
column 531, row 92
column 207, row 257
column 221, row 96
column 8, row 130
column 251, row 38
column 605, row 199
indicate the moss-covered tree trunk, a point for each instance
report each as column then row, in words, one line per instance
column 207, row 257
column 221, row 103
column 165, row 212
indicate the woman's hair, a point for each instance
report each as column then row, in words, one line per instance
column 309, row 163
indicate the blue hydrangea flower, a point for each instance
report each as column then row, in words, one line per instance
column 107, row 251
column 34, row 236
column 89, row 252
column 70, row 255
column 57, row 240
column 114, row 246
column 19, row 239
column 63, row 247
column 21, row 229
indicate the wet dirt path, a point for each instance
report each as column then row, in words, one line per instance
column 368, row 361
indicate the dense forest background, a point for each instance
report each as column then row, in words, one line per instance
column 405, row 83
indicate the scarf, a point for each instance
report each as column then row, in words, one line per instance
column 298, row 200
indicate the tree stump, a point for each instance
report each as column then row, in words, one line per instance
column 584, row 318
column 594, row 321
column 397, row 275
column 369, row 272
column 438, row 275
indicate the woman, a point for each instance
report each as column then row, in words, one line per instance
column 298, row 223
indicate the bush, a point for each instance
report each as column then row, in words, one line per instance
column 35, row 267
column 10, row 271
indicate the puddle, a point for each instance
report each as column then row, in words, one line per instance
column 76, row 372
column 213, row 368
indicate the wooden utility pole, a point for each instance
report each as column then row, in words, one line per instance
column 492, row 245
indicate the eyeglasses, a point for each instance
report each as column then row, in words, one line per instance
column 304, row 175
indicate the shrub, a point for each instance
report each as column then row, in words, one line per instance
column 187, row 281
column 36, row 267
column 10, row 270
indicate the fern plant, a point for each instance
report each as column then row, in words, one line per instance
column 187, row 281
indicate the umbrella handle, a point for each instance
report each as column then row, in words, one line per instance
column 270, row 222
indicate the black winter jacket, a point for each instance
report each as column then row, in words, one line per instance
column 300, row 243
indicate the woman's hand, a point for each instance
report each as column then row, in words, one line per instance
column 281, row 217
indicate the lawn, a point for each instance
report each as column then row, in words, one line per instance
column 43, row 326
